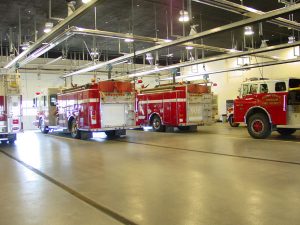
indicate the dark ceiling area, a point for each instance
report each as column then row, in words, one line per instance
column 24, row 21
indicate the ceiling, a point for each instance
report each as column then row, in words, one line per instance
column 151, row 18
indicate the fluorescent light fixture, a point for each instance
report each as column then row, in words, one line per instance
column 248, row 31
column 85, row 1
column 233, row 50
column 168, row 40
column 48, row 27
column 184, row 16
column 189, row 47
column 129, row 40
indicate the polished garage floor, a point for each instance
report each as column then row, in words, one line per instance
column 218, row 175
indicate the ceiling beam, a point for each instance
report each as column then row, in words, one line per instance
column 247, row 11
column 238, row 24
column 79, row 12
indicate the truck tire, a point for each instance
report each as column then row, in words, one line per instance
column 259, row 126
column 156, row 124
column 286, row 131
column 12, row 141
column 44, row 129
column 75, row 133
column 231, row 121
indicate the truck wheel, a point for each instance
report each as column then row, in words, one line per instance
column 75, row 133
column 12, row 141
column 286, row 131
column 156, row 124
column 231, row 121
column 259, row 126
column 3, row 142
column 44, row 129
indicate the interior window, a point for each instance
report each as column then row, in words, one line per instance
column 45, row 100
column 53, row 100
column 280, row 86
column 264, row 88
column 253, row 89
column 245, row 89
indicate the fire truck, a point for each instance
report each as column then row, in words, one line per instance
column 45, row 103
column 185, row 106
column 107, row 106
column 10, row 108
column 269, row 105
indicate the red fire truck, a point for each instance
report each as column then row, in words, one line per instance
column 107, row 106
column 268, row 105
column 184, row 106
column 10, row 109
column 45, row 103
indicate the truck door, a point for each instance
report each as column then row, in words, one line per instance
column 14, row 113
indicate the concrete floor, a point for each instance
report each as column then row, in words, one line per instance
column 218, row 175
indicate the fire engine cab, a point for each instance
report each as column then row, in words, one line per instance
column 184, row 106
column 106, row 106
column 10, row 108
column 269, row 105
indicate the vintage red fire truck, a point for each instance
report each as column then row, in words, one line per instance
column 269, row 105
column 107, row 106
column 184, row 106
column 10, row 109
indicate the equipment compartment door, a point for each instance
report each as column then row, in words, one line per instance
column 199, row 108
column 113, row 115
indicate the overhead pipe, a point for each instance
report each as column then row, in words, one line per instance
column 266, row 16
column 213, row 59
column 248, row 11
column 79, row 12
column 109, row 34
column 252, row 66
column 82, row 31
